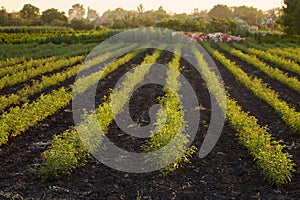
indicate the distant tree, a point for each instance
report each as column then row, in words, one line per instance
column 146, row 21
column 15, row 19
column 222, row 25
column 131, row 20
column 81, row 24
column 92, row 14
column 120, row 18
column 251, row 15
column 118, row 13
column 160, row 8
column 140, row 9
column 185, row 24
column 291, row 17
column 58, row 22
column 76, row 12
column 181, row 16
column 123, row 19
column 203, row 24
column 3, row 16
column 48, row 16
column 78, row 24
column 220, row 11
column 110, row 16
column 157, row 15
column 170, row 23
column 273, row 13
column 190, row 25
column 29, row 12
column 203, row 14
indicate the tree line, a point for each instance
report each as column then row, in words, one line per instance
column 220, row 18
column 30, row 15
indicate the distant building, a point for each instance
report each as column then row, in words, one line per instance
column 239, row 20
column 99, row 21
column 243, row 25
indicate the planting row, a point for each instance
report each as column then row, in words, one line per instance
column 57, row 161
column 289, row 47
column 11, row 54
column 67, row 151
column 274, row 73
column 276, row 164
column 22, row 72
column 22, row 95
column 41, row 69
column 281, row 62
column 20, row 119
column 4, row 71
column 170, row 125
column 13, row 115
column 288, row 114
column 37, row 29
column 38, row 86
column 57, row 38
column 45, row 82
column 284, row 52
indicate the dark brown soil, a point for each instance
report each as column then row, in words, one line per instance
column 271, row 64
column 228, row 172
column 285, row 93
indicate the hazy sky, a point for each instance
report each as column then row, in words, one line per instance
column 186, row 6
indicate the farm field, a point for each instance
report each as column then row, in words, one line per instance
column 42, row 156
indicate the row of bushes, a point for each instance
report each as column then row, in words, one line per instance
column 269, row 154
column 35, row 29
column 57, row 38
column 57, row 159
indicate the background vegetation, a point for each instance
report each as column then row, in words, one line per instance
column 221, row 18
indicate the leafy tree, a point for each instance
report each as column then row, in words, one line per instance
column 130, row 20
column 110, row 16
column 120, row 18
column 170, row 23
column 181, row 16
column 81, row 24
column 76, row 12
column 58, row 22
column 190, row 25
column 15, row 19
column 274, row 13
column 222, row 25
column 291, row 16
column 146, row 21
column 251, row 15
column 92, row 14
column 203, row 24
column 3, row 16
column 203, row 14
column 158, row 14
column 48, row 16
column 140, row 9
column 220, row 11
column 29, row 12
column 118, row 13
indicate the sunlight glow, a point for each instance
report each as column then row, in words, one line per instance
column 101, row 6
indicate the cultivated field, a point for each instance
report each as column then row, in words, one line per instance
column 42, row 156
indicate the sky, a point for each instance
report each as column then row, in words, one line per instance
column 175, row 6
